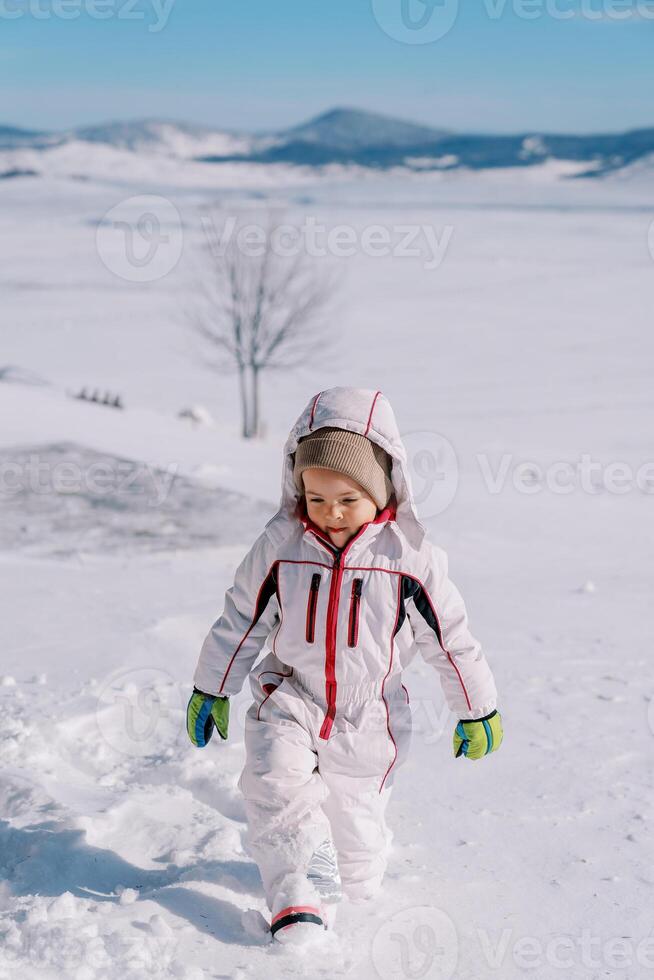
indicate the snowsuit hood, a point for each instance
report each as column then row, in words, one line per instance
column 370, row 414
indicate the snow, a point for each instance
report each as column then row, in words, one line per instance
column 530, row 346
column 173, row 161
column 427, row 163
column 83, row 161
column 179, row 143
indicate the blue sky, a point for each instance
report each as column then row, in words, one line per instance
column 266, row 64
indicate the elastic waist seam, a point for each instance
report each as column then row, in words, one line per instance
column 362, row 692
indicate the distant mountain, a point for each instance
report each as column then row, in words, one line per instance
column 11, row 138
column 353, row 129
column 136, row 134
column 166, row 136
column 343, row 136
column 366, row 139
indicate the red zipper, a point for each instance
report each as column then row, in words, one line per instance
column 330, row 656
column 353, row 624
column 311, row 607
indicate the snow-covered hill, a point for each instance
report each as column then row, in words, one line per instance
column 349, row 140
column 169, row 138
column 121, row 847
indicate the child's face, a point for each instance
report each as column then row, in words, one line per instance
column 337, row 504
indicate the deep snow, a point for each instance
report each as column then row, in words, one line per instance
column 121, row 846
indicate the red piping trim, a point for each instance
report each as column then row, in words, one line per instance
column 374, row 401
column 277, row 673
column 245, row 635
column 449, row 657
column 390, row 665
column 263, row 702
column 266, row 686
column 303, row 561
column 281, row 612
column 313, row 409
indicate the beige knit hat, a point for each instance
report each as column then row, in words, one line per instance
column 356, row 456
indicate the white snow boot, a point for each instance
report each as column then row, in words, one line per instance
column 297, row 916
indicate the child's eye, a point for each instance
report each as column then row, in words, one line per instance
column 346, row 500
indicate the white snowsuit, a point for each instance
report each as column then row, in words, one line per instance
column 331, row 722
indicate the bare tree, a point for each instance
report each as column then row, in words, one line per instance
column 261, row 309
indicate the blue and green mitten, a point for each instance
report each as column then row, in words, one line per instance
column 205, row 712
column 478, row 737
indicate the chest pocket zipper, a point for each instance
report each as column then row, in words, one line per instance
column 355, row 602
column 311, row 607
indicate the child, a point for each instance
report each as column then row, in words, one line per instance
column 346, row 585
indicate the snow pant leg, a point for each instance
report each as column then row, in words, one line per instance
column 358, row 764
column 282, row 789
column 359, row 831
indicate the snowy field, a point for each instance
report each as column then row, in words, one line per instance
column 523, row 360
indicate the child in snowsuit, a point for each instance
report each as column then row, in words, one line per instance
column 345, row 586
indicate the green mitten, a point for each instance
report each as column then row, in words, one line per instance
column 478, row 737
column 203, row 713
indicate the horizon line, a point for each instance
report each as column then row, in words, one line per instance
column 216, row 127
